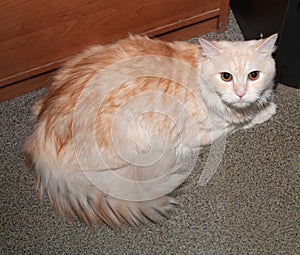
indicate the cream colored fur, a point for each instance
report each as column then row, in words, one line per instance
column 121, row 125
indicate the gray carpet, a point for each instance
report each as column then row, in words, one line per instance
column 251, row 206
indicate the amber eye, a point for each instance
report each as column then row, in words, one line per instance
column 226, row 76
column 253, row 75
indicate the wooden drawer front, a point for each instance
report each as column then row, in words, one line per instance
column 36, row 36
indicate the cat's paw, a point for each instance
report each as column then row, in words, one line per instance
column 265, row 114
column 262, row 116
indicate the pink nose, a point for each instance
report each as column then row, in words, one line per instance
column 240, row 94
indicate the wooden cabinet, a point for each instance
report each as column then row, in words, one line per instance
column 37, row 36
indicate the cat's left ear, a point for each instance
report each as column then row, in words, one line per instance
column 267, row 46
column 209, row 49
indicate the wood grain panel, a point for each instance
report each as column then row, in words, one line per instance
column 35, row 36
column 191, row 31
column 39, row 81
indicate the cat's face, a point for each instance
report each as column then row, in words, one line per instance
column 238, row 72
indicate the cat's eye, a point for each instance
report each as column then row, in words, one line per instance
column 226, row 76
column 253, row 75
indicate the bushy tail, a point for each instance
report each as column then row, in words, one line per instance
column 127, row 196
column 76, row 195
column 73, row 196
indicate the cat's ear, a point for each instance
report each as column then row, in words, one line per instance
column 267, row 46
column 209, row 49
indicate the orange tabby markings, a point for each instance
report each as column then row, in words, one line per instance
column 121, row 125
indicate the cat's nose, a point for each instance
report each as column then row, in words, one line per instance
column 240, row 94
column 239, row 90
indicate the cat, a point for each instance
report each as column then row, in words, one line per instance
column 119, row 124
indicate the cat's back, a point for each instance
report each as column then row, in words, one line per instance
column 71, row 79
column 140, row 46
column 100, row 56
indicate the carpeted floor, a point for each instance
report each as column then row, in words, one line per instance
column 251, row 206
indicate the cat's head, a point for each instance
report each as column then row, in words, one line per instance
column 239, row 73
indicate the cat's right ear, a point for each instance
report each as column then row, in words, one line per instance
column 209, row 49
column 267, row 46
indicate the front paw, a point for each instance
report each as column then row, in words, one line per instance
column 266, row 113
column 263, row 116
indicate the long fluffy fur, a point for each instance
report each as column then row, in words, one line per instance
column 77, row 143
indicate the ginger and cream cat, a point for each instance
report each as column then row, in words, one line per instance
column 120, row 123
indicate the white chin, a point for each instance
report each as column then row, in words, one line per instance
column 240, row 104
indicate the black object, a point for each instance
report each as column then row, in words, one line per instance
column 258, row 18
column 288, row 53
